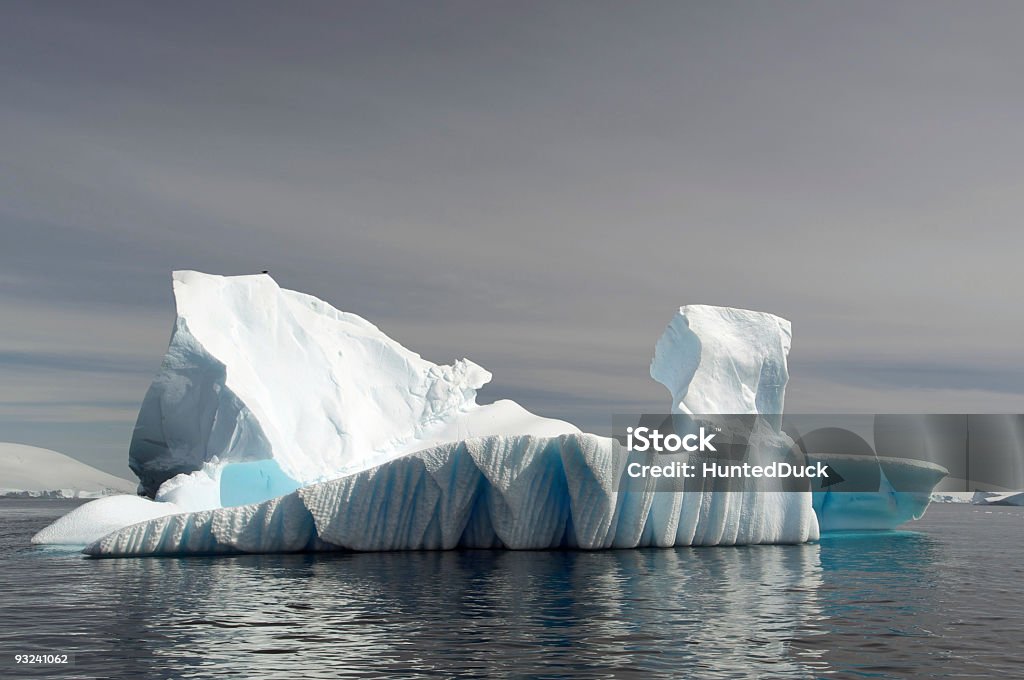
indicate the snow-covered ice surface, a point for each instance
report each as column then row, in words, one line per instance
column 93, row 521
column 724, row 360
column 278, row 423
column 256, row 373
column 30, row 471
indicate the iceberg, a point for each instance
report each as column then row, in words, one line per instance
column 998, row 498
column 278, row 423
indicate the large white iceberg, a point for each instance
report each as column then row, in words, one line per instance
column 278, row 423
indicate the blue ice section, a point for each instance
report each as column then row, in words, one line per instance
column 254, row 481
column 875, row 510
column 890, row 491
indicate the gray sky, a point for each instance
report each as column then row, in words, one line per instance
column 534, row 185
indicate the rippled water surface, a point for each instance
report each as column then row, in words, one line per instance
column 941, row 600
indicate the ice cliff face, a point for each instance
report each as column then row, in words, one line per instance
column 258, row 374
column 519, row 492
column 724, row 360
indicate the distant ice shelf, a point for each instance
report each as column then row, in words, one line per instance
column 960, row 497
column 979, row 497
column 278, row 423
column 33, row 472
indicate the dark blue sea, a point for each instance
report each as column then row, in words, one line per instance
column 942, row 599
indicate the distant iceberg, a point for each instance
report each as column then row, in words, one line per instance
column 33, row 472
column 998, row 498
column 278, row 423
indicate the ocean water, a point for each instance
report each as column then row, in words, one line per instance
column 941, row 599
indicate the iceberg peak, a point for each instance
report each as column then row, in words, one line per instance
column 724, row 360
column 255, row 372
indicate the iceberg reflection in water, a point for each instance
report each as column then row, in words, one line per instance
column 588, row 613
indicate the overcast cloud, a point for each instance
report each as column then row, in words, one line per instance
column 534, row 185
